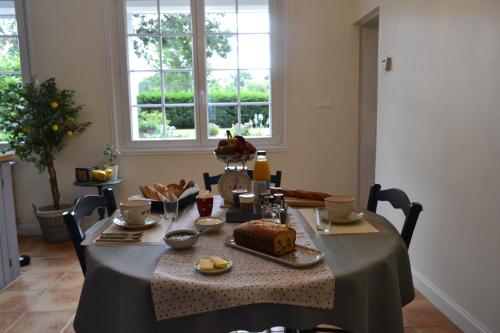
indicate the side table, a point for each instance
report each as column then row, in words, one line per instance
column 100, row 185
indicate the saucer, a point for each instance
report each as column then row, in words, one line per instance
column 216, row 270
column 151, row 220
column 353, row 217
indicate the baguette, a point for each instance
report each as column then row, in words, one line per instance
column 301, row 193
column 151, row 193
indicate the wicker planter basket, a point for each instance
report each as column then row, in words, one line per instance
column 52, row 223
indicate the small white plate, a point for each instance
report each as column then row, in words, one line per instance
column 353, row 217
column 215, row 271
column 151, row 220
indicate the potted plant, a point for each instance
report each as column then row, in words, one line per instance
column 37, row 119
column 111, row 156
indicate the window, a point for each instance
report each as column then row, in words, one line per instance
column 195, row 69
column 11, row 46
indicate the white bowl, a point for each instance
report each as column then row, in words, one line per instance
column 180, row 244
column 203, row 223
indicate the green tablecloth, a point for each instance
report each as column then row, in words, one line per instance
column 372, row 277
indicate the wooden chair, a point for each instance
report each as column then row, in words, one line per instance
column 399, row 200
column 213, row 180
column 85, row 206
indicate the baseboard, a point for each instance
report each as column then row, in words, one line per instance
column 28, row 229
column 458, row 315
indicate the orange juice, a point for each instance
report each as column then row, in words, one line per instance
column 261, row 170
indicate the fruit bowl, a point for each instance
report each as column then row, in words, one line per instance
column 235, row 158
column 234, row 149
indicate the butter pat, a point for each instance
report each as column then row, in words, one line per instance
column 206, row 265
column 219, row 262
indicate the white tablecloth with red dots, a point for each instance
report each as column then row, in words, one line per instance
column 179, row 290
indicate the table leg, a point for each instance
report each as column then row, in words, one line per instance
column 100, row 210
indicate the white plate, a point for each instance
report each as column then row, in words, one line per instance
column 353, row 217
column 215, row 271
column 151, row 220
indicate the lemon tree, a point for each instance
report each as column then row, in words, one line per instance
column 37, row 118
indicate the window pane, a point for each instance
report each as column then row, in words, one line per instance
column 178, row 87
column 180, row 123
column 9, row 51
column 145, row 88
column 175, row 16
column 253, row 16
column 142, row 17
column 178, row 52
column 255, row 121
column 254, row 86
column 220, row 16
column 143, row 53
column 222, row 86
column 147, row 123
column 222, row 117
column 8, row 26
column 254, row 51
column 221, row 52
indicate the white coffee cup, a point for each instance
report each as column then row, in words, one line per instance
column 135, row 212
column 342, row 206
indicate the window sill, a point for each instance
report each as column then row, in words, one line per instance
column 187, row 150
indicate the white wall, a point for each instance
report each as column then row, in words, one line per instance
column 68, row 43
column 438, row 138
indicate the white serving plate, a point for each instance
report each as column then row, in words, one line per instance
column 355, row 216
column 301, row 257
column 151, row 220
column 215, row 271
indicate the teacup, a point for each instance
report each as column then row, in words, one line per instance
column 342, row 206
column 135, row 212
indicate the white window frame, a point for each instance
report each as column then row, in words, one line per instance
column 118, row 85
column 22, row 36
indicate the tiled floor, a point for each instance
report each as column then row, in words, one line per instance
column 44, row 298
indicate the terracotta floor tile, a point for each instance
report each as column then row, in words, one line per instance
column 68, row 328
column 7, row 318
column 63, row 250
column 421, row 313
column 50, row 265
column 41, row 322
column 450, row 328
column 409, row 330
column 418, row 295
column 70, row 280
column 57, row 300
column 35, row 281
column 18, row 301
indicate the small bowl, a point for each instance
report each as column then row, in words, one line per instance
column 180, row 244
column 203, row 223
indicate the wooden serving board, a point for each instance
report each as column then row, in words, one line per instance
column 300, row 202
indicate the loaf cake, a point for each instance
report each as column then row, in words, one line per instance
column 265, row 236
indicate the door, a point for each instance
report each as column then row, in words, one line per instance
column 368, row 89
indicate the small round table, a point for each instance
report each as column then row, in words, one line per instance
column 100, row 185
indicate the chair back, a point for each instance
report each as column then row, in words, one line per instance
column 213, row 180
column 398, row 200
column 85, row 206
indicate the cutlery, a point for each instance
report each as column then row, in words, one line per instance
column 120, row 236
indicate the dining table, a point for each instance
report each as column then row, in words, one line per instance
column 372, row 271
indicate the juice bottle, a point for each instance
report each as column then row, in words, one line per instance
column 261, row 171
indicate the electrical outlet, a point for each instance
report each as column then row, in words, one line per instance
column 323, row 103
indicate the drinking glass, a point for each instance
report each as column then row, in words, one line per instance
column 324, row 219
column 171, row 208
